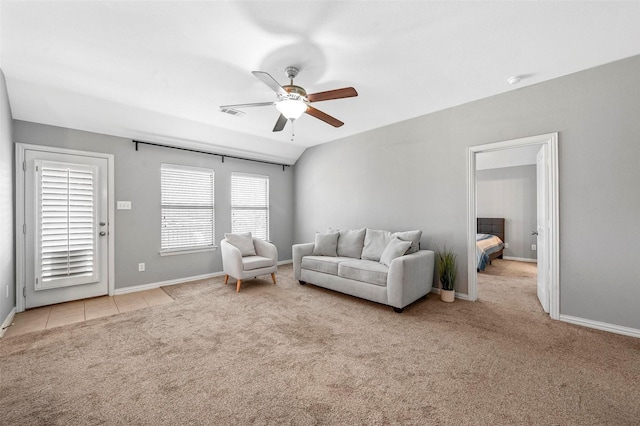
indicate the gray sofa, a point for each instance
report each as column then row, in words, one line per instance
column 376, row 265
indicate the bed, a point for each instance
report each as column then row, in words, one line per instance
column 489, row 240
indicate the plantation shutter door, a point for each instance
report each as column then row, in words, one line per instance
column 66, row 224
column 188, row 215
column 250, row 204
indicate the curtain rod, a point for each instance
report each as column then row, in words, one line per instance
column 209, row 153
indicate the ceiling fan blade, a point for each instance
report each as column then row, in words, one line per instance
column 282, row 120
column 270, row 81
column 345, row 92
column 324, row 117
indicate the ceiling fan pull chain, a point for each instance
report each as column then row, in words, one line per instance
column 293, row 130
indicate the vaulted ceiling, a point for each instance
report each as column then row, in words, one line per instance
column 159, row 70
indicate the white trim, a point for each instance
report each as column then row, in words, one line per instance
column 462, row 296
column 20, row 213
column 150, row 286
column 520, row 259
column 551, row 141
column 612, row 328
column 7, row 321
column 472, row 263
column 111, row 202
column 457, row 295
column 175, row 252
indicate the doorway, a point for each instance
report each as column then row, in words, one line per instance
column 547, row 226
column 64, row 219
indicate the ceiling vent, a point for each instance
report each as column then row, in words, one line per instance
column 231, row 111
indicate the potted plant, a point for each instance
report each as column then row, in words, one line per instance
column 448, row 272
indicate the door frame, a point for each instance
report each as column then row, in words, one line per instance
column 553, row 246
column 20, row 224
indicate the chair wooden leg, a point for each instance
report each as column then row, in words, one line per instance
column 238, row 286
column 226, row 278
column 273, row 277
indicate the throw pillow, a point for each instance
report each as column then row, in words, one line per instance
column 375, row 242
column 350, row 243
column 413, row 236
column 395, row 248
column 326, row 244
column 243, row 242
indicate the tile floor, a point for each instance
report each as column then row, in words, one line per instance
column 82, row 310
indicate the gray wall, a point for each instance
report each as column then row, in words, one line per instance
column 413, row 174
column 510, row 192
column 137, row 179
column 7, row 239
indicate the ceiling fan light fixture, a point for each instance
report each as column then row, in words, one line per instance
column 292, row 109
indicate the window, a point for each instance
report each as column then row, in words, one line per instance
column 188, row 216
column 250, row 204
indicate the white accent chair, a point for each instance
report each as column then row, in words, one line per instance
column 234, row 264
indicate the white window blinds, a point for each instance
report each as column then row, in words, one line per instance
column 188, row 215
column 250, row 204
column 66, row 222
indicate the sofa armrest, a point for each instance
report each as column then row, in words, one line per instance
column 299, row 251
column 266, row 249
column 410, row 277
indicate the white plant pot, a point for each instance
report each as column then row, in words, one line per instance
column 447, row 295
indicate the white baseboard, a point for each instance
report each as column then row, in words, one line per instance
column 143, row 287
column 461, row 296
column 150, row 286
column 521, row 259
column 611, row 328
column 7, row 321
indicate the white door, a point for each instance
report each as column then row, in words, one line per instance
column 542, row 228
column 66, row 211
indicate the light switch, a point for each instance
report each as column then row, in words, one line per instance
column 123, row 205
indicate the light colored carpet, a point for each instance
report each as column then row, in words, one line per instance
column 510, row 283
column 302, row 355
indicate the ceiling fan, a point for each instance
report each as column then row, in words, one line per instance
column 292, row 101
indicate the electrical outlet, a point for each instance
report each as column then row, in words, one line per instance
column 533, row 247
column 123, row 205
column 506, row 245
column 140, row 267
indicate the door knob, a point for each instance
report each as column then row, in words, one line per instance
column 534, row 232
column 102, row 234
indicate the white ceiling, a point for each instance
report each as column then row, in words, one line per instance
column 158, row 70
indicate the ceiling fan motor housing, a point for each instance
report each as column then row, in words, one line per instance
column 295, row 92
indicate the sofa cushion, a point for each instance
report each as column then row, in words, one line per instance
column 326, row 244
column 394, row 249
column 367, row 271
column 249, row 263
column 326, row 264
column 375, row 242
column 413, row 236
column 243, row 242
column 350, row 243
